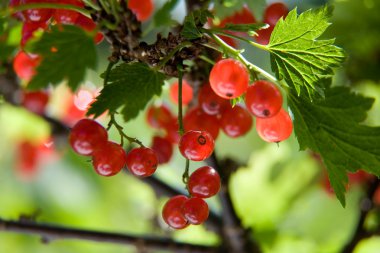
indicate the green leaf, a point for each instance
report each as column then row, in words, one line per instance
column 193, row 22
column 130, row 85
column 296, row 54
column 163, row 15
column 66, row 52
column 331, row 127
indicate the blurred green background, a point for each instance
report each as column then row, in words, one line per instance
column 279, row 193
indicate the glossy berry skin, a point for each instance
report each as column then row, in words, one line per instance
column 236, row 121
column 36, row 15
column 229, row 78
column 195, row 210
column 28, row 28
column 64, row 16
column 263, row 35
column 159, row 116
column 276, row 128
column 35, row 101
column 196, row 119
column 142, row 162
column 274, row 12
column 187, row 93
column 143, row 9
column 86, row 136
column 25, row 65
column 196, row 145
column 204, row 182
column 109, row 159
column 172, row 212
column 263, row 99
column 163, row 149
column 211, row 103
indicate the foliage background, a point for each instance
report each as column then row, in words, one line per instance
column 278, row 193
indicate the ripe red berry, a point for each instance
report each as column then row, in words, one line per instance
column 25, row 65
column 236, row 121
column 143, row 9
column 195, row 210
column 159, row 116
column 86, row 136
column 142, row 162
column 263, row 35
column 172, row 212
column 210, row 102
column 204, row 182
column 64, row 16
column 263, row 99
column 35, row 101
column 196, row 145
column 109, row 159
column 36, row 15
column 163, row 149
column 187, row 93
column 274, row 12
column 229, row 78
column 196, row 119
column 28, row 29
column 27, row 162
column 276, row 128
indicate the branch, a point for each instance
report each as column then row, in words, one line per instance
column 236, row 238
column 366, row 205
column 53, row 232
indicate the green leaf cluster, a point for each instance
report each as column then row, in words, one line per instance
column 131, row 86
column 331, row 127
column 193, row 23
column 66, row 52
column 296, row 54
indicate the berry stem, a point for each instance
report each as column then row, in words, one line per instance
column 185, row 176
column 91, row 4
column 172, row 53
column 123, row 136
column 105, row 6
column 23, row 7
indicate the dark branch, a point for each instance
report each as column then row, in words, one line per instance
column 53, row 232
column 366, row 205
column 236, row 238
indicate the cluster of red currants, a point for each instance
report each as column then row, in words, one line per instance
column 89, row 138
column 229, row 79
column 272, row 14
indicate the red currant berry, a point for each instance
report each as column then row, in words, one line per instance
column 274, row 12
column 196, row 119
column 229, row 78
column 24, row 65
column 163, row 148
column 86, row 136
column 172, row 131
column 187, row 93
column 27, row 161
column 35, row 101
column 143, row 9
column 263, row 99
column 89, row 25
column 109, row 159
column 276, row 128
column 159, row 116
column 172, row 212
column 142, row 162
column 236, row 121
column 210, row 102
column 64, row 16
column 28, row 29
column 204, row 182
column 36, row 15
column 195, row 210
column 263, row 35
column 196, row 145
column 244, row 16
